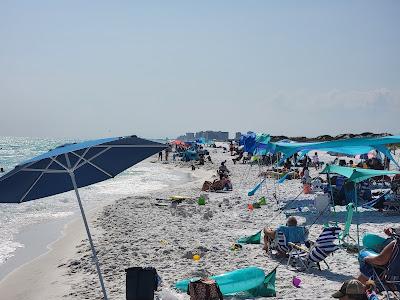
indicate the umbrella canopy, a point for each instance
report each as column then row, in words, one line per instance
column 71, row 166
column 90, row 162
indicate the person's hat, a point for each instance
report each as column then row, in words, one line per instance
column 351, row 287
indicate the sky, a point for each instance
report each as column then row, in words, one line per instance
column 158, row 69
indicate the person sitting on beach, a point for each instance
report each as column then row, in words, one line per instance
column 238, row 158
column 306, row 179
column 287, row 165
column 351, row 289
column 270, row 234
column 247, row 158
column 368, row 258
column 315, row 160
column 223, row 170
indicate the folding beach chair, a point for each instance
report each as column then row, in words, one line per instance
column 304, row 259
column 297, row 235
column 392, row 205
column 388, row 277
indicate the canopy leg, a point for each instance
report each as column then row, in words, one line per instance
column 89, row 236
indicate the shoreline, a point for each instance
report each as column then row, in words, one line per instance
column 35, row 243
column 44, row 274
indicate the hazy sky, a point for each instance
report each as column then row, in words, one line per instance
column 162, row 68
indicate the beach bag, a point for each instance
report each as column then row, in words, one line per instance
column 141, row 283
column 204, row 289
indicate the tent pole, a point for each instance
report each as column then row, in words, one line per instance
column 72, row 175
column 357, row 218
column 333, row 200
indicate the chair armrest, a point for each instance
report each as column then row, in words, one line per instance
column 298, row 247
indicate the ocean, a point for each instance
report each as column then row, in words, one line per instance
column 17, row 218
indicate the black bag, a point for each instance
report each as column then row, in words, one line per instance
column 204, row 289
column 141, row 283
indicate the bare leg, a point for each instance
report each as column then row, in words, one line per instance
column 269, row 235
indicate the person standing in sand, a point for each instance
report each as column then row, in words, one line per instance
column 160, row 155
column 315, row 160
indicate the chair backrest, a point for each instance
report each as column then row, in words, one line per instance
column 294, row 234
column 325, row 244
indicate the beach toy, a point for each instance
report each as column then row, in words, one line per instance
column 296, row 281
column 231, row 282
column 235, row 247
column 196, row 257
column 201, row 201
column 262, row 201
column 373, row 242
column 250, row 207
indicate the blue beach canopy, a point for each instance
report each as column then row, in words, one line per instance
column 72, row 166
column 356, row 174
column 348, row 146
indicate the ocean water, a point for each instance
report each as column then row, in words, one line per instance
column 14, row 218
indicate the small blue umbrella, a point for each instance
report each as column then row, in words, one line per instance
column 72, row 166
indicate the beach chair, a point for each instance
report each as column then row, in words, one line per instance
column 392, row 205
column 344, row 236
column 304, row 259
column 297, row 235
column 388, row 277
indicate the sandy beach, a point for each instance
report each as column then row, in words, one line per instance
column 145, row 230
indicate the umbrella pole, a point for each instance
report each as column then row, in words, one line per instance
column 89, row 236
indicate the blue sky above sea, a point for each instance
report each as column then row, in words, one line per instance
column 75, row 69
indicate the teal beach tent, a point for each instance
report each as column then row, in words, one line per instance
column 356, row 175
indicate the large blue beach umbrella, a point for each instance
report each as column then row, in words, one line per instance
column 72, row 166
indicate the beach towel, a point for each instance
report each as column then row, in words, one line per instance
column 252, row 239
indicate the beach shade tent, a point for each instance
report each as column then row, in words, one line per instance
column 262, row 144
column 356, row 175
column 258, row 144
column 248, row 141
column 348, row 146
column 72, row 166
column 189, row 155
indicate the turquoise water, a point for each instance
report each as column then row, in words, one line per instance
column 14, row 218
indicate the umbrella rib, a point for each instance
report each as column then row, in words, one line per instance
column 80, row 159
column 92, row 164
column 93, row 157
column 36, row 181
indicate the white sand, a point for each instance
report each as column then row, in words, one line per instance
column 136, row 232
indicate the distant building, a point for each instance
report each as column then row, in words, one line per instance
column 237, row 136
column 208, row 135
column 190, row 136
